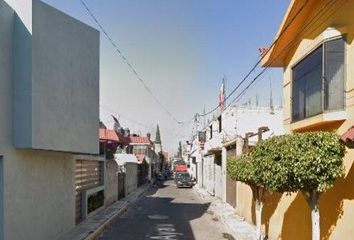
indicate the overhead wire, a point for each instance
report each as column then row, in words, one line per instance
column 132, row 68
column 111, row 111
column 292, row 42
column 260, row 60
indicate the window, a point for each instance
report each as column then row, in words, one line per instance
column 318, row 81
column 220, row 124
column 201, row 136
column 211, row 131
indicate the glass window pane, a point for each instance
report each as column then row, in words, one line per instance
column 299, row 99
column 334, row 74
column 307, row 86
column 313, row 91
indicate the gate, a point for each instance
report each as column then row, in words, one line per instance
column 88, row 175
column 230, row 184
column 121, row 185
column 231, row 192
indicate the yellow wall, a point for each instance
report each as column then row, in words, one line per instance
column 288, row 217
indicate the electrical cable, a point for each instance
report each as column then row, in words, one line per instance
column 132, row 68
column 260, row 60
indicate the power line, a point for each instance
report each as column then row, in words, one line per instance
column 313, row 20
column 260, row 60
column 132, row 68
column 127, row 118
column 289, row 45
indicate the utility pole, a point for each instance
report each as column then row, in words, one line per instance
column 271, row 96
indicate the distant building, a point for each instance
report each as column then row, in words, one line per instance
column 315, row 52
column 225, row 134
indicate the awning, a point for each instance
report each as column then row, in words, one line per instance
column 348, row 137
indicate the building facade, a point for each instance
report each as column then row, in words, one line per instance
column 316, row 51
column 224, row 136
column 49, row 84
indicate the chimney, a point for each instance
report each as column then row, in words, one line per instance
column 149, row 136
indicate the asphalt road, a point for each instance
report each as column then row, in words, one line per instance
column 167, row 213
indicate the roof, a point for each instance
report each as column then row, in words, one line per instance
column 135, row 140
column 107, row 134
column 111, row 135
column 293, row 21
column 348, row 136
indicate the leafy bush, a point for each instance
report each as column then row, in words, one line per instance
column 306, row 162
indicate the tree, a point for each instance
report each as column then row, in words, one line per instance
column 316, row 160
column 244, row 170
column 306, row 162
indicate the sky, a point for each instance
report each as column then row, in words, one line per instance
column 181, row 49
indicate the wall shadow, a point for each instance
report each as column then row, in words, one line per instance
column 297, row 219
column 331, row 203
column 270, row 205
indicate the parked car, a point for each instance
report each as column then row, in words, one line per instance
column 183, row 179
column 168, row 174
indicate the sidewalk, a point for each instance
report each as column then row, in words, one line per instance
column 90, row 228
column 239, row 229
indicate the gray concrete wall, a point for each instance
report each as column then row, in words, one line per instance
column 39, row 194
column 56, row 83
column 111, row 182
column 38, row 186
column 131, row 177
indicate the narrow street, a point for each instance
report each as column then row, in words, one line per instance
column 167, row 213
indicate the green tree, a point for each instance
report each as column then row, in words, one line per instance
column 316, row 162
column 307, row 162
column 244, row 170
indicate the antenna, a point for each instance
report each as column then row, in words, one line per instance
column 204, row 123
column 271, row 95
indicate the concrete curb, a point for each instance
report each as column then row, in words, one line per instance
column 94, row 225
column 128, row 203
column 238, row 228
column 101, row 228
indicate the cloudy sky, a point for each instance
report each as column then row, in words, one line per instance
column 181, row 49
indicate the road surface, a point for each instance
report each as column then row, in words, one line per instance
column 167, row 213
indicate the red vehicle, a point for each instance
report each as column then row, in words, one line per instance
column 181, row 168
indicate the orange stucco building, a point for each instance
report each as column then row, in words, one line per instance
column 314, row 47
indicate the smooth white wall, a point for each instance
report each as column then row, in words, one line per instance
column 39, row 194
column 56, row 83
column 23, row 9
